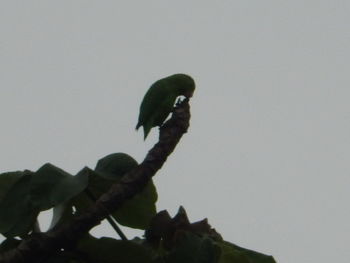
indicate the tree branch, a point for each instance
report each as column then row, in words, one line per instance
column 39, row 246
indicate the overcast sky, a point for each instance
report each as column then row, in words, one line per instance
column 266, row 158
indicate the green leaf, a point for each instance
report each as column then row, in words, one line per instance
column 18, row 214
column 61, row 214
column 51, row 186
column 26, row 193
column 136, row 212
column 115, row 165
column 109, row 250
column 7, row 180
column 192, row 248
column 233, row 253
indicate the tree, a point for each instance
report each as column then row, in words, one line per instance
column 119, row 190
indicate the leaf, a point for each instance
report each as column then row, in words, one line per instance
column 7, row 180
column 136, row 212
column 28, row 193
column 109, row 250
column 20, row 214
column 233, row 253
column 61, row 214
column 51, row 186
column 194, row 249
column 115, row 165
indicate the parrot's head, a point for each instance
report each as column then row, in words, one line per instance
column 184, row 83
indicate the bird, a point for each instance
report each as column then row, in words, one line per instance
column 159, row 100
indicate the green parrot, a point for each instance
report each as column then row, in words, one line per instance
column 160, row 98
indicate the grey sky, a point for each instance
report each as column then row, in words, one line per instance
column 266, row 158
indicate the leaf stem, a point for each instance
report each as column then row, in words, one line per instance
column 109, row 217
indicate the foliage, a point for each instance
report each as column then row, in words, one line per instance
column 24, row 194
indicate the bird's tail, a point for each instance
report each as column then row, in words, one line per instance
column 137, row 126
